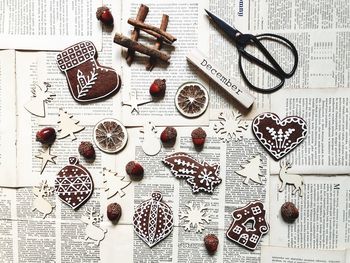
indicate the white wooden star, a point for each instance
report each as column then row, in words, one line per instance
column 46, row 157
column 133, row 102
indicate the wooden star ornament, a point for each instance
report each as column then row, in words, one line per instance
column 46, row 157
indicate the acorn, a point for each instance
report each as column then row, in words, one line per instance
column 158, row 87
column 114, row 212
column 198, row 137
column 104, row 15
column 289, row 212
column 86, row 149
column 46, row 135
column 168, row 136
column 134, row 170
column 211, row 243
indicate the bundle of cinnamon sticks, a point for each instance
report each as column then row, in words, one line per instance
column 159, row 33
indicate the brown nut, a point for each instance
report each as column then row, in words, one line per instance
column 211, row 243
column 86, row 149
column 168, row 136
column 134, row 170
column 289, row 212
column 46, row 135
column 198, row 137
column 114, row 212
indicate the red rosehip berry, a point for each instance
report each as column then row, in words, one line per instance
column 211, row 243
column 86, row 149
column 134, row 170
column 46, row 135
column 198, row 137
column 104, row 15
column 157, row 88
column 168, row 136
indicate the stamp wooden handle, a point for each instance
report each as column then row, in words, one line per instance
column 231, row 85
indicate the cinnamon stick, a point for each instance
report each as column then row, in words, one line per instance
column 141, row 16
column 134, row 45
column 148, row 27
column 158, row 45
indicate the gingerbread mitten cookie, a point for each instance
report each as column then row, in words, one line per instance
column 87, row 80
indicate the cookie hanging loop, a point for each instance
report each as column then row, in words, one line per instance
column 73, row 160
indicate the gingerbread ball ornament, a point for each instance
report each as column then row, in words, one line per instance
column 153, row 220
column 74, row 184
column 87, row 79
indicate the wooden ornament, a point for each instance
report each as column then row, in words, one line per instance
column 40, row 203
column 151, row 144
column 67, row 126
column 46, row 157
column 93, row 232
column 114, row 184
column 293, row 179
column 41, row 96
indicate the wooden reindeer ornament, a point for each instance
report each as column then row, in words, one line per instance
column 92, row 231
column 40, row 203
column 286, row 178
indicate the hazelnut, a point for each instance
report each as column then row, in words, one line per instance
column 198, row 137
column 114, row 212
column 289, row 212
column 46, row 135
column 211, row 243
column 86, row 149
column 157, row 88
column 134, row 170
column 168, row 136
column 104, row 15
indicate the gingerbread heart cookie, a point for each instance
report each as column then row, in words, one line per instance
column 87, row 79
column 279, row 137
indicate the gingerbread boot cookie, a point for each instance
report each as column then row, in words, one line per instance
column 87, row 79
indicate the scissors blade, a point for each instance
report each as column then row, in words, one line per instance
column 231, row 31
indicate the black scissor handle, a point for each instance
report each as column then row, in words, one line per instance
column 246, row 39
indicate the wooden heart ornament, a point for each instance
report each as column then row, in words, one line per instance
column 74, row 184
column 279, row 137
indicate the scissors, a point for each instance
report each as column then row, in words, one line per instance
column 243, row 40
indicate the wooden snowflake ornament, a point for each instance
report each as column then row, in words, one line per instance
column 153, row 220
column 202, row 176
column 195, row 216
column 230, row 126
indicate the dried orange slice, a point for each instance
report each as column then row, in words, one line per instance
column 110, row 135
column 191, row 99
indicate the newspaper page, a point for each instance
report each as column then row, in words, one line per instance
column 48, row 25
column 36, row 68
column 60, row 237
column 7, row 118
column 187, row 246
column 189, row 25
column 290, row 255
column 326, row 149
column 323, row 221
column 320, row 39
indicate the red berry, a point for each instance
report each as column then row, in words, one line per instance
column 114, row 212
column 104, row 15
column 198, row 137
column 158, row 88
column 134, row 170
column 168, row 136
column 289, row 212
column 211, row 243
column 46, row 135
column 86, row 149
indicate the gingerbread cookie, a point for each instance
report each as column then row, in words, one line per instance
column 202, row 176
column 249, row 225
column 87, row 79
column 279, row 137
column 153, row 220
column 74, row 184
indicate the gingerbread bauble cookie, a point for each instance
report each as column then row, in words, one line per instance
column 74, row 184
